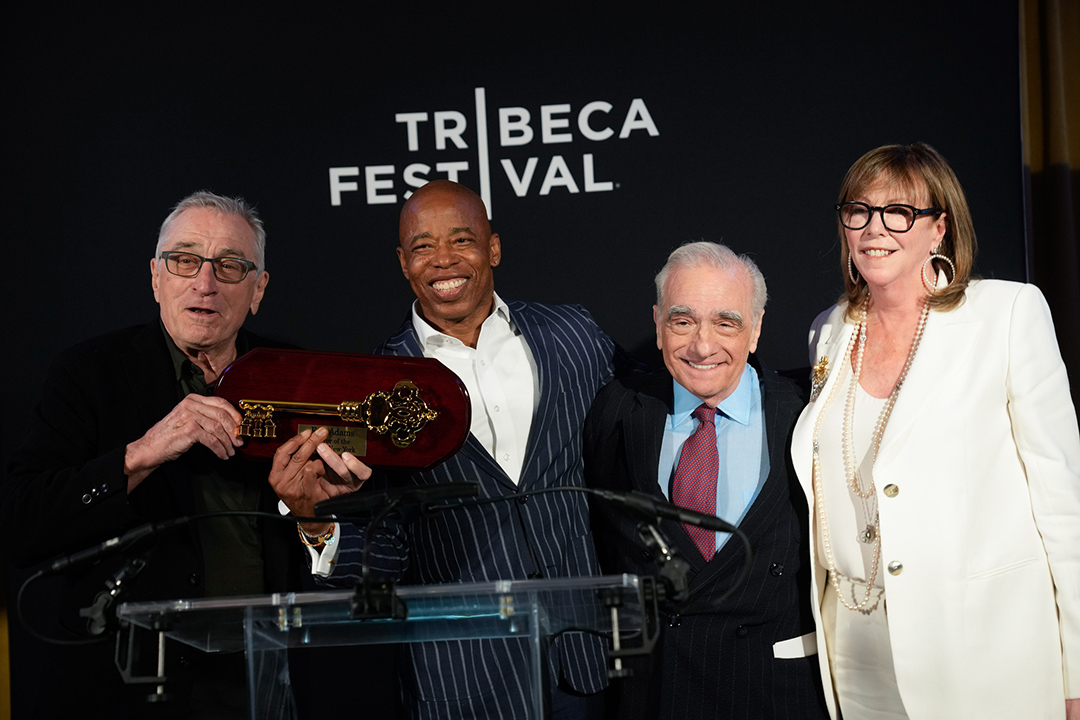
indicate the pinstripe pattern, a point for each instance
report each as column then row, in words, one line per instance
column 542, row 536
column 718, row 665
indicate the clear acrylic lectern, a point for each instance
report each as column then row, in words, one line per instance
column 533, row 611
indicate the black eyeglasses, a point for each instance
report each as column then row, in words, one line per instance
column 895, row 218
column 226, row 269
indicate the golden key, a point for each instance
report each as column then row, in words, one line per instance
column 400, row 412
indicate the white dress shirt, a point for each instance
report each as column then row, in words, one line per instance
column 500, row 373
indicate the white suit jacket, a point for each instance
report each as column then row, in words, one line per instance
column 984, row 617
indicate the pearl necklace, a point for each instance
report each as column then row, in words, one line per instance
column 871, row 534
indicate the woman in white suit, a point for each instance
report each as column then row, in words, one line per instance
column 941, row 460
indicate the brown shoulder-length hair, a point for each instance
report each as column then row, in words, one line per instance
column 920, row 171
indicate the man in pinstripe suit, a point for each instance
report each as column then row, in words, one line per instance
column 532, row 371
column 750, row 658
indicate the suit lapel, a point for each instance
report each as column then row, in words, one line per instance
column 832, row 345
column 152, row 382
column 946, row 335
column 533, row 328
column 149, row 371
column 405, row 343
column 644, row 433
column 760, row 516
column 483, row 460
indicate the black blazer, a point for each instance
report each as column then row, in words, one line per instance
column 66, row 490
column 718, row 665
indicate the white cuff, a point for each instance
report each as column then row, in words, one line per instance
column 803, row 646
column 322, row 563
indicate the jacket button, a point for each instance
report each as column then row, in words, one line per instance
column 534, row 575
column 896, row 567
column 86, row 498
column 193, row 579
column 523, row 499
column 891, row 491
column 776, row 570
column 742, row 631
column 674, row 620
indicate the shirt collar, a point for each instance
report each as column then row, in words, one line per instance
column 429, row 336
column 179, row 358
column 175, row 354
column 735, row 406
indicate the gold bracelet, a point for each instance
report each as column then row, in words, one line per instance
column 327, row 538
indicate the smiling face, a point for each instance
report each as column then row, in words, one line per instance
column 202, row 314
column 893, row 261
column 447, row 251
column 706, row 329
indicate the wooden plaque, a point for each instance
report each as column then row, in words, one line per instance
column 388, row 411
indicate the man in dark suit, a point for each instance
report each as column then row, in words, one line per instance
column 127, row 433
column 532, row 371
column 711, row 433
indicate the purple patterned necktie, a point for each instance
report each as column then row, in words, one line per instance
column 694, row 486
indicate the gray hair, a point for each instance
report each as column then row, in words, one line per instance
column 229, row 206
column 721, row 257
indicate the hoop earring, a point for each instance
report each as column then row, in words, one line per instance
column 851, row 270
column 932, row 285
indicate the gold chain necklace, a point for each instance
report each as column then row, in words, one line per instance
column 871, row 534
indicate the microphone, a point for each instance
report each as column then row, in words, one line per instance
column 653, row 508
column 674, row 569
column 365, row 503
column 120, row 541
column 96, row 621
column 379, row 599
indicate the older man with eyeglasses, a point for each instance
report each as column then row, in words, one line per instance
column 127, row 432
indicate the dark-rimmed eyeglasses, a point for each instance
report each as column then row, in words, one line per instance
column 895, row 218
column 226, row 269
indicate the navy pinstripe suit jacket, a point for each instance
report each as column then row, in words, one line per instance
column 717, row 665
column 543, row 536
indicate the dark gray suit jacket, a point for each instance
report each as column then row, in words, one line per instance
column 722, row 664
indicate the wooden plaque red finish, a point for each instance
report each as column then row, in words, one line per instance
column 267, row 376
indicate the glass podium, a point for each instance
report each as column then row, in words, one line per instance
column 619, row 608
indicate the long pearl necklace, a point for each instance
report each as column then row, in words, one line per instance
column 854, row 480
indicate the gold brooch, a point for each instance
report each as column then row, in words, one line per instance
column 818, row 377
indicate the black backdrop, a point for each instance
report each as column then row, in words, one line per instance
column 112, row 117
column 759, row 113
